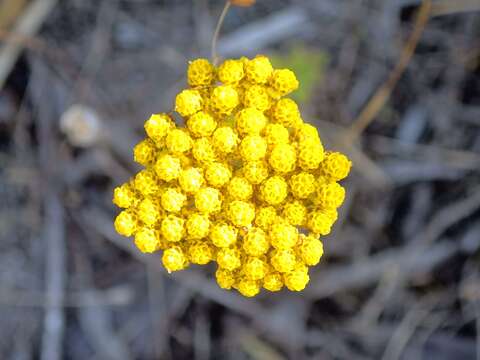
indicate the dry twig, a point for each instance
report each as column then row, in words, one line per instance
column 370, row 111
column 26, row 26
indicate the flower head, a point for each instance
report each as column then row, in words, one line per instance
column 246, row 183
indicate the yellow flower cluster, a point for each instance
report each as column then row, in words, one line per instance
column 246, row 183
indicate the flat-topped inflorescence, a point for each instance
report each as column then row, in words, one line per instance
column 246, row 183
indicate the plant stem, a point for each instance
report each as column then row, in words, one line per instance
column 217, row 31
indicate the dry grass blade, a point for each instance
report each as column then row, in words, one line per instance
column 376, row 103
column 27, row 25
column 55, row 277
column 447, row 7
column 404, row 333
column 9, row 10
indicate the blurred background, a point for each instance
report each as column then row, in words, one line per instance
column 400, row 94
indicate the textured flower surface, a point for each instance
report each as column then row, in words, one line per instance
column 246, row 183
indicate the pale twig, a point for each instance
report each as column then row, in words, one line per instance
column 259, row 34
column 447, row 7
column 376, row 103
column 54, row 235
column 115, row 296
column 27, row 25
column 217, row 31
column 256, row 348
column 412, row 259
column 55, row 277
column 158, row 312
column 97, row 325
column 404, row 332
column 9, row 11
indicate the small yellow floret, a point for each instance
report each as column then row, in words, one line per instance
column 248, row 288
column 144, row 152
column 200, row 72
column 310, row 154
column 283, row 260
column 320, row 222
column 173, row 228
column 168, row 167
column 274, row 190
column 285, row 112
column 126, row 223
column 276, row 134
column 283, row 158
column 330, row 195
column 239, row 188
column 241, row 213
column 208, row 200
column 231, row 71
column 191, row 180
column 203, row 150
column 254, row 268
column 250, row 121
column 296, row 280
column 256, row 96
column 124, row 195
column 173, row 200
column 217, row 174
column 200, row 253
column 225, row 278
column 201, row 124
column 157, row 127
column 198, row 226
column 255, row 171
column 224, row 139
column 336, row 166
column 255, row 242
column 311, row 250
column 178, row 141
column 253, row 147
column 307, row 133
column 302, row 185
column 188, row 102
column 283, row 235
column 295, row 213
column 265, row 217
column 284, row 81
column 223, row 235
column 174, row 259
column 229, row 258
column 149, row 211
column 147, row 240
column 258, row 70
column 273, row 281
column 224, row 99
column 146, row 182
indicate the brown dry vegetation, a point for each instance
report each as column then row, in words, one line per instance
column 400, row 277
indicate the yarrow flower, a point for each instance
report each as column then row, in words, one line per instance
column 246, row 183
